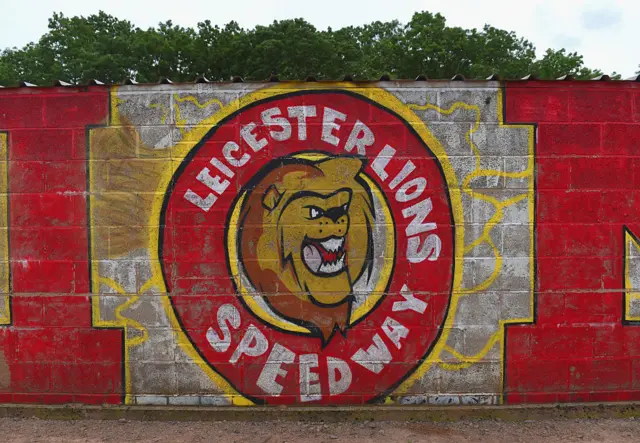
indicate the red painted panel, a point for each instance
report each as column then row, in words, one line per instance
column 586, row 179
column 52, row 352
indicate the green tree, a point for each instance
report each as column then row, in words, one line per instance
column 104, row 47
column 379, row 43
column 77, row 49
column 501, row 52
column 556, row 63
column 431, row 47
column 167, row 51
column 23, row 64
column 291, row 48
column 219, row 53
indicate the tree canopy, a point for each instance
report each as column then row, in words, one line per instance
column 103, row 47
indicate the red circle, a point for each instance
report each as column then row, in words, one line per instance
column 193, row 257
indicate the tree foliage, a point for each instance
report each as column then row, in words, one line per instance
column 104, row 47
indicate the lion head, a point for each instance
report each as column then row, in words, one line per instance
column 305, row 238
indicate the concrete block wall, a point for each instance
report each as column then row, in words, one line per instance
column 320, row 243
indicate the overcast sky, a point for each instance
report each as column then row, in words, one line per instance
column 605, row 32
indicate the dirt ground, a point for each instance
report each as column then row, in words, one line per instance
column 565, row 431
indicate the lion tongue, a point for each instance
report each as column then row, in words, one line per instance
column 329, row 256
column 312, row 257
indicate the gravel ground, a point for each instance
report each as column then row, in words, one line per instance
column 45, row 431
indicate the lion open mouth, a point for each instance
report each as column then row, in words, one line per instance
column 324, row 257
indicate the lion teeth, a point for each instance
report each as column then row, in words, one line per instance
column 333, row 244
column 322, row 257
column 330, row 268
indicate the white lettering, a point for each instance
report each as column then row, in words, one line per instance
column 410, row 302
column 270, row 118
column 404, row 173
column 420, row 183
column 253, row 344
column 420, row 211
column 382, row 160
column 339, row 368
column 302, row 113
column 228, row 315
column 329, row 125
column 203, row 203
column 375, row 357
column 361, row 137
column 430, row 249
column 273, row 369
column 230, row 147
column 309, row 381
column 222, row 167
column 216, row 184
column 250, row 138
column 395, row 331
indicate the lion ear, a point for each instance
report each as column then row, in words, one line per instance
column 271, row 198
column 342, row 166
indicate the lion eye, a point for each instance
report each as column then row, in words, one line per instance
column 315, row 212
column 345, row 207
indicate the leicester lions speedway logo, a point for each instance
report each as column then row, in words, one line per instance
column 307, row 245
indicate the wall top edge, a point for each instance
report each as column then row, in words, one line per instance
column 451, row 83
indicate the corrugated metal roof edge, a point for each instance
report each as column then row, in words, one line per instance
column 346, row 78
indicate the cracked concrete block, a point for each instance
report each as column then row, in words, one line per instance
column 151, row 400
column 495, row 140
column 481, row 377
column 516, row 240
column 484, row 99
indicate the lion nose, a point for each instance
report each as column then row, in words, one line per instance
column 336, row 227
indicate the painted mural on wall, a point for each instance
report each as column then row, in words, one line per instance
column 318, row 243
column 316, row 302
